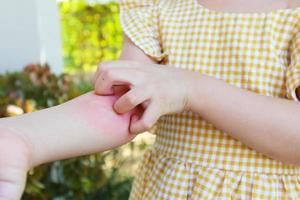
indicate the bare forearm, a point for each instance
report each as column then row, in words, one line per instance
column 267, row 124
column 85, row 125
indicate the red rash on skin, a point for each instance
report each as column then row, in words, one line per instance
column 98, row 112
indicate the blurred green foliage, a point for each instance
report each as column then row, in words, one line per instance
column 37, row 88
column 91, row 34
column 106, row 176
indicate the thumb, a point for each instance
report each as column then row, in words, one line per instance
column 12, row 183
column 14, row 164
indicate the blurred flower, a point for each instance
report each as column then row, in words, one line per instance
column 13, row 110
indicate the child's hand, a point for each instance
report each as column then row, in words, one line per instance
column 159, row 89
column 14, row 164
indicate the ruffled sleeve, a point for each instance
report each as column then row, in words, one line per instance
column 139, row 21
column 293, row 71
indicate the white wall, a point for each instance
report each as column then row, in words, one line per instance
column 29, row 33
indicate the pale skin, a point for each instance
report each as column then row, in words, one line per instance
column 268, row 125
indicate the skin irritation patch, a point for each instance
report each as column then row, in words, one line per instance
column 98, row 112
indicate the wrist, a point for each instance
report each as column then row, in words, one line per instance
column 196, row 92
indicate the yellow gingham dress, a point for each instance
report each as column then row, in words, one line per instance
column 191, row 159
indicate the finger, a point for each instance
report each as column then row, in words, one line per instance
column 137, row 113
column 145, row 104
column 130, row 100
column 107, row 79
column 107, row 65
column 149, row 118
column 103, row 88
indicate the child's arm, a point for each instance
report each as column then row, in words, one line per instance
column 269, row 125
column 84, row 125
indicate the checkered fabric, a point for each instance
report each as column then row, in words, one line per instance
column 260, row 52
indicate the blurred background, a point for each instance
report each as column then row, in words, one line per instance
column 49, row 51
